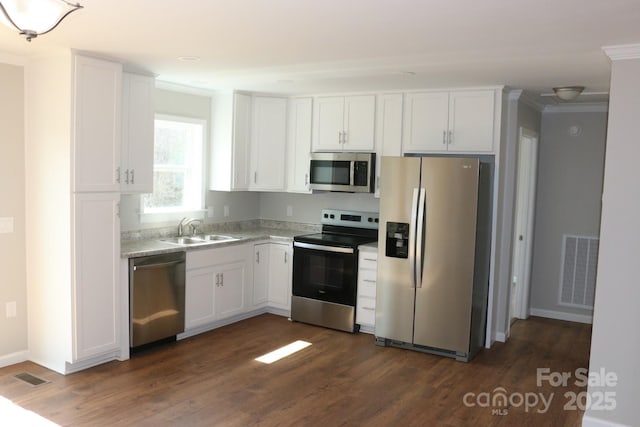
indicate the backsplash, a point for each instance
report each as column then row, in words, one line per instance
column 221, row 227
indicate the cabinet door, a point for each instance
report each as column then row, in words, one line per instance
column 200, row 297
column 388, row 131
column 425, row 122
column 260, row 274
column 299, row 145
column 241, row 142
column 268, row 143
column 328, row 118
column 229, row 299
column 97, row 115
column 471, row 119
column 280, row 268
column 96, row 251
column 359, row 123
column 138, row 110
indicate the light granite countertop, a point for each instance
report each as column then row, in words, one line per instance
column 369, row 247
column 152, row 246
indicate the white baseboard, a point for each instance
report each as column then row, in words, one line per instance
column 501, row 337
column 13, row 358
column 561, row 315
column 588, row 421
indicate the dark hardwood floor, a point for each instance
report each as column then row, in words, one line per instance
column 341, row 379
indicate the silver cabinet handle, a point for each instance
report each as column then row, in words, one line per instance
column 132, row 175
column 257, row 257
column 368, row 308
column 255, row 177
column 306, row 179
column 444, row 137
column 368, row 280
column 370, row 259
column 221, row 279
column 217, row 279
column 344, row 137
column 450, row 137
column 118, row 174
column 126, row 174
column 285, row 257
column 339, row 137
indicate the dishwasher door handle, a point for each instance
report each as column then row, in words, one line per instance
column 158, row 265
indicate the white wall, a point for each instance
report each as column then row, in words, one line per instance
column 615, row 341
column 307, row 208
column 13, row 286
column 568, row 192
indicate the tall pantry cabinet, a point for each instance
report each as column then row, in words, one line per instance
column 72, row 144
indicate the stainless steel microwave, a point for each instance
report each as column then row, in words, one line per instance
column 348, row 172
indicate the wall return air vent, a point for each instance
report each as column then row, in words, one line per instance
column 578, row 275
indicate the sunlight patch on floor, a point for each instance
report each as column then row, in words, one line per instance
column 283, row 352
column 14, row 415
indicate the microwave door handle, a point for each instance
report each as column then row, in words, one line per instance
column 352, row 173
column 412, row 236
column 420, row 235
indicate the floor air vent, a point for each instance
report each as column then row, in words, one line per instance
column 578, row 276
column 30, row 379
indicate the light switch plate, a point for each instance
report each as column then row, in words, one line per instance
column 6, row 225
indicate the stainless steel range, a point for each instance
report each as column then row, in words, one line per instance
column 325, row 268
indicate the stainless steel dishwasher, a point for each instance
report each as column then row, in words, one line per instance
column 156, row 297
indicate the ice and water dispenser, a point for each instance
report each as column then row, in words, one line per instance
column 397, row 240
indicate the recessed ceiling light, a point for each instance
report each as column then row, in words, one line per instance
column 189, row 58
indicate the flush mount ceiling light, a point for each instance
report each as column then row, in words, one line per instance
column 568, row 93
column 35, row 18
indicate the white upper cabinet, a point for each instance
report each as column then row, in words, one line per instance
column 97, row 114
column 229, row 169
column 268, row 143
column 344, row 123
column 459, row 121
column 299, row 145
column 138, row 110
column 388, row 131
column 471, row 121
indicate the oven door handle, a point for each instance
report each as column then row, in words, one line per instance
column 323, row 248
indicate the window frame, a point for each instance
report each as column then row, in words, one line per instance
column 176, row 215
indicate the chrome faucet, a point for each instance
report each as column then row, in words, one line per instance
column 193, row 222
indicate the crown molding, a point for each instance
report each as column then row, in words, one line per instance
column 581, row 107
column 622, row 51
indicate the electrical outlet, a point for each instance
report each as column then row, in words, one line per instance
column 226, row 210
column 289, row 211
column 10, row 309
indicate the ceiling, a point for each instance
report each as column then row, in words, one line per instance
column 300, row 46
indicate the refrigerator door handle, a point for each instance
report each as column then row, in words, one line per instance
column 420, row 232
column 412, row 236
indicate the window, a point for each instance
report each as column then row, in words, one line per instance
column 177, row 166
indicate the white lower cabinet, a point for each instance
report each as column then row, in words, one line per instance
column 366, row 300
column 216, row 281
column 272, row 272
column 280, row 273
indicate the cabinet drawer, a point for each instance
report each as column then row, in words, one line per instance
column 367, row 283
column 368, row 260
column 366, row 311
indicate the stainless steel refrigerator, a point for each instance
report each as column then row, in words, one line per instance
column 433, row 254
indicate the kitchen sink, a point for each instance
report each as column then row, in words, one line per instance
column 183, row 240
column 199, row 239
column 215, row 237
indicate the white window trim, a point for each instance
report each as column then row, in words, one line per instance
column 177, row 215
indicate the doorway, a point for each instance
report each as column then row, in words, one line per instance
column 523, row 230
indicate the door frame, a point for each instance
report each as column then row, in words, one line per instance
column 525, row 201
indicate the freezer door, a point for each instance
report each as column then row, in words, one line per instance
column 395, row 289
column 443, row 296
